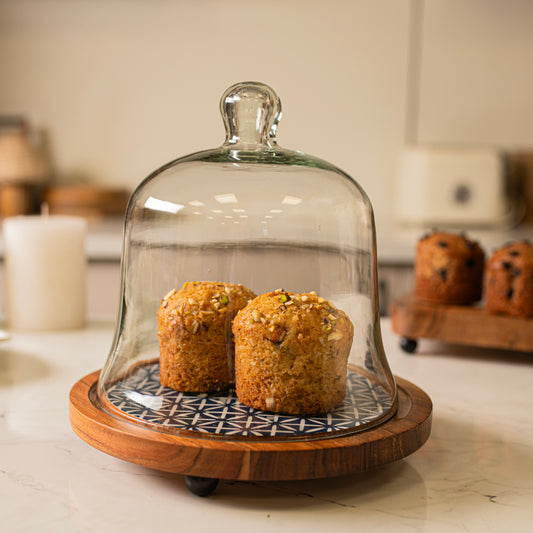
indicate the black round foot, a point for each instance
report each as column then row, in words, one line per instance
column 408, row 345
column 201, row 486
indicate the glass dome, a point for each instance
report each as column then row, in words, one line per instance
column 252, row 268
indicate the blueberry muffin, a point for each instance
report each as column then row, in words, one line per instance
column 449, row 269
column 196, row 351
column 509, row 280
column 291, row 353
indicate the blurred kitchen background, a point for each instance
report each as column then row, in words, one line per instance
column 105, row 91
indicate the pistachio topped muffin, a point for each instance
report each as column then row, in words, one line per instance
column 449, row 269
column 195, row 338
column 291, row 353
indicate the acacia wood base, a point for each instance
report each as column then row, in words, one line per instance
column 249, row 459
column 465, row 325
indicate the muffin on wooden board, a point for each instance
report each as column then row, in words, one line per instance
column 509, row 280
column 196, row 350
column 449, row 269
column 291, row 353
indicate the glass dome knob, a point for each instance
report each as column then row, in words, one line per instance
column 251, row 112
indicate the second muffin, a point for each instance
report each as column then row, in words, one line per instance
column 291, row 353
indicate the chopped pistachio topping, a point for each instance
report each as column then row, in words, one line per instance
column 270, row 403
column 224, row 300
column 278, row 335
column 169, row 294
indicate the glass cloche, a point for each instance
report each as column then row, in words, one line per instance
column 249, row 301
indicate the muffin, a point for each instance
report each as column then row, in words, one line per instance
column 449, row 269
column 291, row 353
column 509, row 280
column 196, row 352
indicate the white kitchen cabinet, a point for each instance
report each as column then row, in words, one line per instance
column 395, row 280
column 103, row 289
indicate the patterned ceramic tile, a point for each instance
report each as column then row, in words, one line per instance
column 142, row 396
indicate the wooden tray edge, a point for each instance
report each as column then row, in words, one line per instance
column 395, row 439
column 465, row 325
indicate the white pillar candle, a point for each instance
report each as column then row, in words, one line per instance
column 45, row 272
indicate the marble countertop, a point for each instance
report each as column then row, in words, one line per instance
column 395, row 243
column 475, row 473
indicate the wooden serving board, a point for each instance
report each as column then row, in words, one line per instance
column 249, row 459
column 415, row 319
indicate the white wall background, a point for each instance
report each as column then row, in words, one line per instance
column 120, row 87
column 476, row 72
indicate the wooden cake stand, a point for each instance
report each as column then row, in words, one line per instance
column 203, row 460
column 415, row 319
